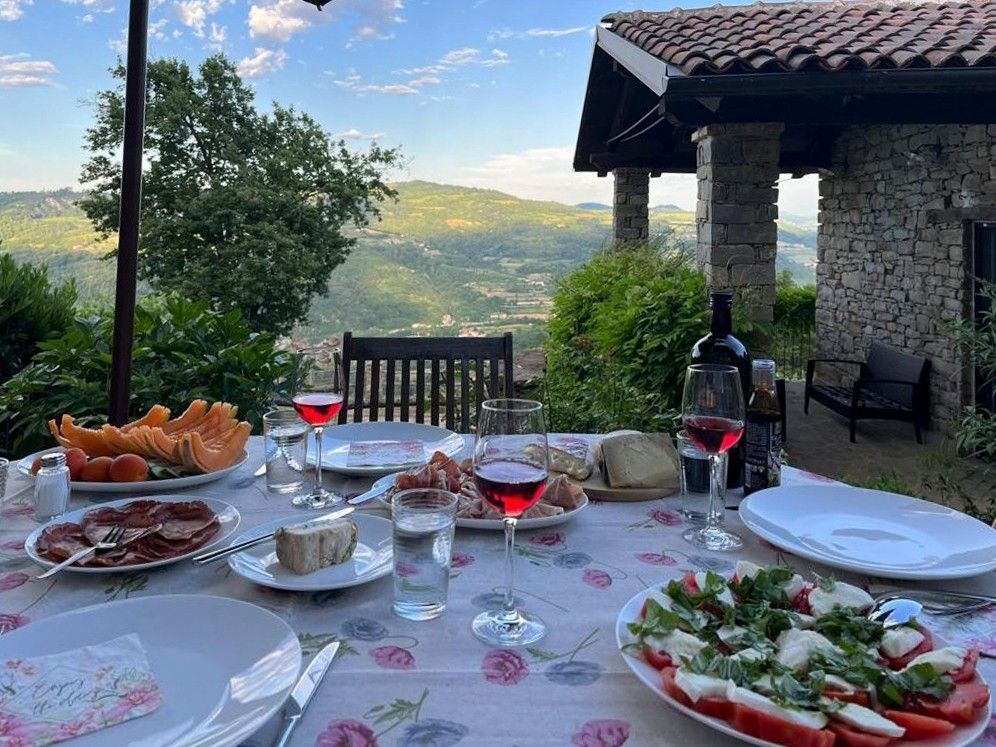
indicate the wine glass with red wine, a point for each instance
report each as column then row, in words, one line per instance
column 317, row 400
column 510, row 471
column 713, row 416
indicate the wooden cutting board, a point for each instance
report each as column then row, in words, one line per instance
column 598, row 490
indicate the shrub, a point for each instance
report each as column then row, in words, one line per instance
column 976, row 432
column 183, row 350
column 31, row 310
column 621, row 331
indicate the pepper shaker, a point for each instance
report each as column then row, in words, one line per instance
column 52, row 487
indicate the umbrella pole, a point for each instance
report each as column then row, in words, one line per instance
column 131, row 205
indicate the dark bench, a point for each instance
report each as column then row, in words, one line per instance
column 891, row 385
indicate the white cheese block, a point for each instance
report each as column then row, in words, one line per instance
column 897, row 642
column 843, row 595
column 803, row 622
column 724, row 596
column 796, row 647
column 867, row 720
column 751, row 699
column 943, row 660
column 305, row 548
column 698, row 686
column 640, row 460
column 676, row 644
column 559, row 460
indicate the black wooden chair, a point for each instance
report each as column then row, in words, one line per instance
column 891, row 385
column 483, row 366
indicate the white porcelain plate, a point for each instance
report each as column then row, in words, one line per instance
column 872, row 532
column 337, row 440
column 497, row 524
column 650, row 677
column 372, row 559
column 228, row 517
column 164, row 485
column 223, row 666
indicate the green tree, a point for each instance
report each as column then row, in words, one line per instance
column 240, row 208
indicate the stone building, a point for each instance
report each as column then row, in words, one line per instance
column 891, row 102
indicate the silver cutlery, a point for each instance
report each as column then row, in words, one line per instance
column 114, row 539
column 213, row 555
column 356, row 500
column 304, row 690
column 261, row 470
column 893, row 610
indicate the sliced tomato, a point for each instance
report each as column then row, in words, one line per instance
column 671, row 687
column 643, row 611
column 656, row 659
column 927, row 644
column 801, row 600
column 715, row 707
column 690, row 584
column 855, row 738
column 861, row 697
column 919, row 726
column 764, row 726
column 967, row 669
column 960, row 706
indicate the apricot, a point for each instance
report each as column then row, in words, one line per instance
column 75, row 460
column 129, row 468
column 97, row 469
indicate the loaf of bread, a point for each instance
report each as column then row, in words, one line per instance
column 639, row 460
column 305, row 548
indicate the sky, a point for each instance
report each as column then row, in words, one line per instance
column 482, row 93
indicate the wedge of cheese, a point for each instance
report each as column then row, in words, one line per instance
column 639, row 460
column 305, row 548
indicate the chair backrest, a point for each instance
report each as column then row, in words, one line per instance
column 462, row 373
column 888, row 363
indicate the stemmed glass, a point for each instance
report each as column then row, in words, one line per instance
column 317, row 400
column 510, row 470
column 713, row 416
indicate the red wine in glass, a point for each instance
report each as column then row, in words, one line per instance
column 713, row 435
column 317, row 408
column 509, row 486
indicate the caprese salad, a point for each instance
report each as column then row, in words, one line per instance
column 797, row 663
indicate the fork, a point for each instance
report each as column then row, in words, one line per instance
column 110, row 541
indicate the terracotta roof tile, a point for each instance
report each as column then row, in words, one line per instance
column 832, row 35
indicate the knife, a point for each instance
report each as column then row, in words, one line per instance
column 224, row 552
column 87, row 550
column 304, row 690
column 369, row 495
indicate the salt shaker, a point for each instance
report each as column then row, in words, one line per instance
column 52, row 487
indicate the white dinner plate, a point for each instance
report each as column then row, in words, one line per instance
column 163, row 485
column 223, row 666
column 872, row 532
column 372, row 558
column 337, row 440
column 537, row 523
column 228, row 518
column 963, row 735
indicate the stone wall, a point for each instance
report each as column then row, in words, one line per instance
column 894, row 262
column 736, row 211
column 631, row 206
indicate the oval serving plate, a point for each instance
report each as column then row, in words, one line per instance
column 337, row 441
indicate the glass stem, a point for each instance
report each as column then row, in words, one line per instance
column 318, row 457
column 510, row 522
column 716, row 508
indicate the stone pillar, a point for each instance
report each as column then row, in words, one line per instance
column 737, row 208
column 630, row 206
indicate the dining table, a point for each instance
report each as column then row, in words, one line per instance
column 399, row 682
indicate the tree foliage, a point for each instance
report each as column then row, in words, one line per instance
column 240, row 208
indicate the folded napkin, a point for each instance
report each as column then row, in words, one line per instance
column 45, row 699
column 378, row 453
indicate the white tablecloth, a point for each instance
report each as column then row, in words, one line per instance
column 397, row 682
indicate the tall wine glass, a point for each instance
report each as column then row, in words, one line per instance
column 510, row 470
column 713, row 416
column 317, row 400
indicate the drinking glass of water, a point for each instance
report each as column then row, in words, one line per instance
column 424, row 521
column 285, row 444
column 695, row 479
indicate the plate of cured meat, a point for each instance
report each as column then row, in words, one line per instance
column 185, row 526
column 561, row 501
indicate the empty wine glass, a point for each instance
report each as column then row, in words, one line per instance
column 317, row 400
column 713, row 415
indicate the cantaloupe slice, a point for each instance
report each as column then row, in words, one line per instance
column 91, row 441
column 193, row 414
column 157, row 415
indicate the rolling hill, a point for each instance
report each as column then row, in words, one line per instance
column 444, row 259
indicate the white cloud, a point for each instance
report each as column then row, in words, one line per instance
column 194, row 14
column 11, row 10
column 263, row 62
column 354, row 134
column 535, row 33
column 87, row 18
column 217, row 37
column 19, row 71
column 97, row 6
column 279, row 20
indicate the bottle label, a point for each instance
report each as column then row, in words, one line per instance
column 763, row 440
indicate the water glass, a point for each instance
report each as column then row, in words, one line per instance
column 285, row 443
column 695, row 479
column 424, row 521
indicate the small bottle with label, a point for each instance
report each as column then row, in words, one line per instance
column 763, row 434
column 51, row 487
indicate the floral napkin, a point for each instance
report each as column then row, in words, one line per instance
column 378, row 453
column 47, row 699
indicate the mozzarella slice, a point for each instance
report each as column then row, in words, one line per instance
column 943, row 660
column 751, row 699
column 660, row 597
column 867, row 720
column 676, row 644
column 698, row 686
column 746, row 569
column 725, row 596
column 748, row 654
column 839, row 683
column 844, row 595
column 730, row 633
column 803, row 621
column 796, row 647
column 897, row 642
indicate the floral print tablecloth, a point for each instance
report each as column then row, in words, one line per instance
column 404, row 683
